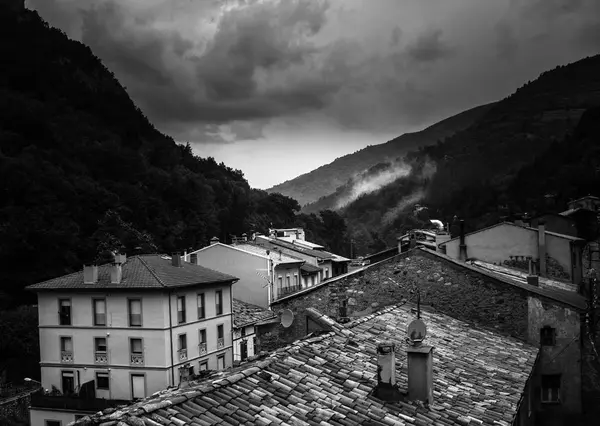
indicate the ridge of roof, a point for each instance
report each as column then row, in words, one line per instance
column 150, row 270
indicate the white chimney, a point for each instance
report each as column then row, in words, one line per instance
column 116, row 273
column 386, row 364
column 120, row 258
column 214, row 240
column 90, row 274
column 420, row 373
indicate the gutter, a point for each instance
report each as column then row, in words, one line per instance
column 171, row 342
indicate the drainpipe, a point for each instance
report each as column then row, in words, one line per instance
column 171, row 342
column 462, row 248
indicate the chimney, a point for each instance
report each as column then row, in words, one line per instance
column 120, row 258
column 412, row 240
column 244, row 237
column 90, row 274
column 116, row 273
column 214, row 240
column 386, row 365
column 542, row 247
column 176, row 259
column 420, row 373
column 533, row 280
column 462, row 248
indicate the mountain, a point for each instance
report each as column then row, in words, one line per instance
column 522, row 148
column 323, row 181
column 83, row 171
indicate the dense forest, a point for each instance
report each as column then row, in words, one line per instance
column 540, row 140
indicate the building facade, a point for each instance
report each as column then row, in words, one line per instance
column 265, row 275
column 124, row 331
column 247, row 319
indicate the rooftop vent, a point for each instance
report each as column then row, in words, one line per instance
column 90, row 274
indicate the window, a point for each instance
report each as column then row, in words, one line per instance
column 68, row 382
column 66, row 344
column 135, row 312
column 100, row 350
column 136, row 347
column 203, row 366
column 53, row 423
column 221, row 362
column 180, row 309
column 202, row 336
column 547, row 336
column 287, row 280
column 102, row 381
column 201, row 310
column 220, row 332
column 551, row 388
column 219, row 301
column 64, row 311
column 99, row 311
column 326, row 273
column 243, row 331
column 182, row 342
column 295, row 279
column 138, row 386
column 279, row 281
column 100, row 344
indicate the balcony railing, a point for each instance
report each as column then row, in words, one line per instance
column 66, row 356
column 182, row 354
column 220, row 343
column 137, row 359
column 101, row 358
column 74, row 403
column 202, row 348
column 284, row 291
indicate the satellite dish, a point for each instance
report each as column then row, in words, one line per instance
column 417, row 331
column 287, row 318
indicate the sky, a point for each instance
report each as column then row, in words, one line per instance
column 277, row 88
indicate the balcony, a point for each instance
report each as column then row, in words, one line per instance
column 74, row 403
column 66, row 356
column 136, row 359
column 220, row 343
column 101, row 358
column 202, row 348
column 182, row 353
column 284, row 291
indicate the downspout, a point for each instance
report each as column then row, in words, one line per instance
column 171, row 342
column 231, row 316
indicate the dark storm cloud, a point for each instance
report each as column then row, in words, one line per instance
column 429, row 47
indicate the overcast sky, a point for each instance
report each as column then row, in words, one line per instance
column 278, row 88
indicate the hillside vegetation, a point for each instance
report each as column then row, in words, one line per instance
column 539, row 140
column 325, row 180
column 82, row 170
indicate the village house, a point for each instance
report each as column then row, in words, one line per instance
column 247, row 319
column 125, row 330
column 535, row 250
column 368, row 372
column 565, row 383
column 265, row 274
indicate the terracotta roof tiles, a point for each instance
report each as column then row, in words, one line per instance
column 246, row 313
column 479, row 377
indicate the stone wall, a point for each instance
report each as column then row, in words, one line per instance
column 15, row 411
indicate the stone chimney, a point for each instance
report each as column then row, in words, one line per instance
column 214, row 240
column 176, row 260
column 90, row 274
column 462, row 248
column 386, row 371
column 542, row 248
column 420, row 373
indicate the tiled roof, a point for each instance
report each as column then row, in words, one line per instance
column 274, row 255
column 246, row 313
column 140, row 272
column 307, row 267
column 555, row 234
column 479, row 377
column 274, row 242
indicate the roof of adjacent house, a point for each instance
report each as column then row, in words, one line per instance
column 571, row 212
column 478, row 376
column 273, row 255
column 152, row 271
column 247, row 313
column 304, row 243
column 295, row 247
column 307, row 267
column 555, row 234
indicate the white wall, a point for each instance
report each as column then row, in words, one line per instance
column 251, row 287
column 38, row 417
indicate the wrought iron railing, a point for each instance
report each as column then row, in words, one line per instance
column 66, row 356
column 220, row 343
column 182, row 354
column 202, row 348
column 137, row 359
column 101, row 358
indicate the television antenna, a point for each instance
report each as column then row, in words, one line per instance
column 417, row 330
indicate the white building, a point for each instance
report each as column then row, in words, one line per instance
column 246, row 320
column 125, row 330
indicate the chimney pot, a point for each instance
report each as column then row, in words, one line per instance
column 214, row 240
column 90, row 274
column 176, row 259
column 462, row 248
